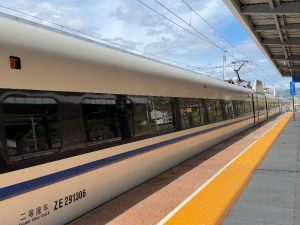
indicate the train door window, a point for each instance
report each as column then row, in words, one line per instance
column 32, row 127
column 101, row 120
column 141, row 118
column 192, row 113
column 161, row 114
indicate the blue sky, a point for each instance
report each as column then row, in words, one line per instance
column 140, row 30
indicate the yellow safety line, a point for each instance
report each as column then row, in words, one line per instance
column 212, row 203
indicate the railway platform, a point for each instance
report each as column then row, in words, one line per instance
column 225, row 184
column 273, row 195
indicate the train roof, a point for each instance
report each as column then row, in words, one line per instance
column 55, row 60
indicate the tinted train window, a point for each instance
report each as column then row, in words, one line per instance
column 248, row 107
column 161, row 113
column 261, row 104
column 214, row 111
column 241, row 108
column 229, row 110
column 141, row 115
column 101, row 120
column 192, row 113
column 31, row 126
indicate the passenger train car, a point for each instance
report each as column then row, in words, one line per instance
column 81, row 123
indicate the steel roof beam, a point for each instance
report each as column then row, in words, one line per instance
column 295, row 68
column 272, row 27
column 289, row 74
column 278, row 42
column 282, row 57
column 278, row 28
column 283, row 8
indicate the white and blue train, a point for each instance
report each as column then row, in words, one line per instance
column 81, row 123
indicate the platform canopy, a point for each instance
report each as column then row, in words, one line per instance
column 274, row 25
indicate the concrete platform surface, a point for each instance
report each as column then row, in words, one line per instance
column 272, row 197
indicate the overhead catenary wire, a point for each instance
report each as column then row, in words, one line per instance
column 212, row 27
column 204, row 38
column 189, row 24
column 201, row 36
column 219, row 33
column 208, row 40
column 256, row 74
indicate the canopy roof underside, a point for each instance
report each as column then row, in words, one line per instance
column 275, row 27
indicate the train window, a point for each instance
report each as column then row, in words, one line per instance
column 161, row 113
column 237, row 106
column 273, row 107
column 214, row 111
column 101, row 120
column 141, row 115
column 248, row 107
column 192, row 113
column 32, row 127
column 261, row 104
column 241, row 108
column 229, row 110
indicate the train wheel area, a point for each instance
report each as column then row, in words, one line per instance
column 162, row 199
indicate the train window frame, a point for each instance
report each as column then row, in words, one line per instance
column 228, row 105
column 150, row 128
column 38, row 154
column 217, row 111
column 99, row 97
column 186, row 112
column 62, row 97
column 162, row 123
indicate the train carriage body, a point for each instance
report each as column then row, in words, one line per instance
column 81, row 123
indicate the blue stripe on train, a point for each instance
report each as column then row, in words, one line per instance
column 30, row 185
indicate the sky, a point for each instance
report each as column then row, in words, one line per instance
column 194, row 40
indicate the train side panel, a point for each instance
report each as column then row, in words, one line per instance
column 62, row 199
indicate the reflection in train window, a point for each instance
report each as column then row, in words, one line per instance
column 141, row 115
column 101, row 120
column 261, row 104
column 240, row 108
column 161, row 113
column 192, row 112
column 229, row 109
column 31, row 126
column 248, row 107
column 214, row 111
